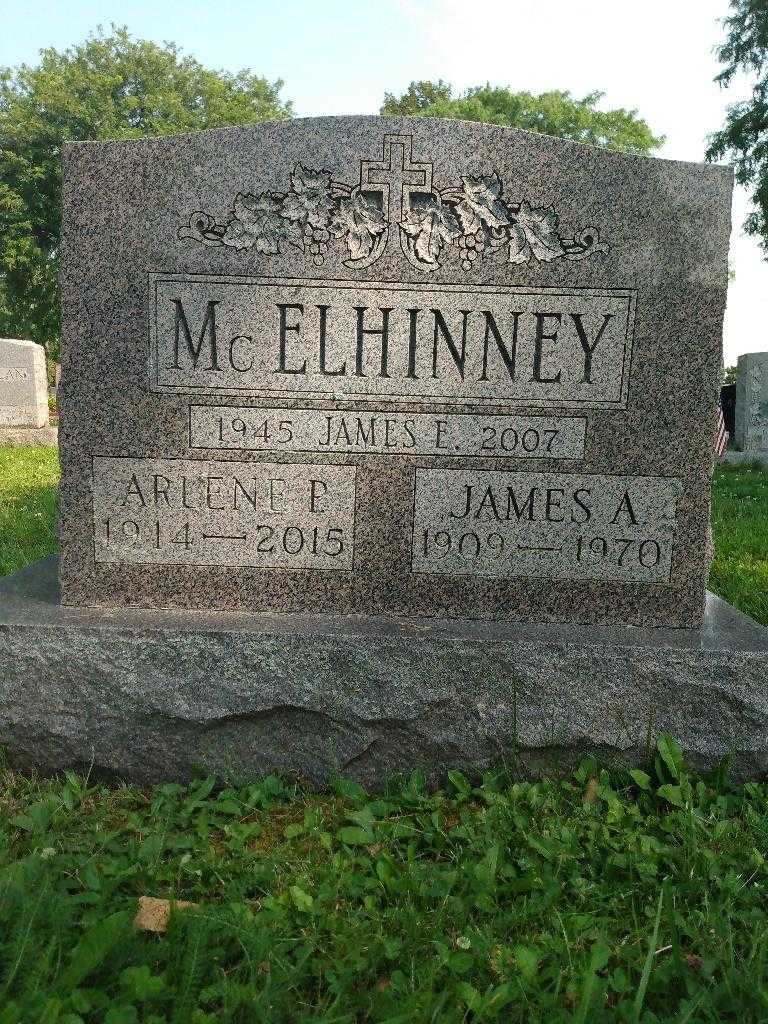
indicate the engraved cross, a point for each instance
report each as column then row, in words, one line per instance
column 396, row 176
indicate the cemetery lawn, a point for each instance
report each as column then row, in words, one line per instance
column 29, row 480
column 637, row 897
column 739, row 572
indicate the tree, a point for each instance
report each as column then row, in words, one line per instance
column 552, row 113
column 110, row 87
column 744, row 135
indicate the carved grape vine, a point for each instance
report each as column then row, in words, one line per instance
column 474, row 216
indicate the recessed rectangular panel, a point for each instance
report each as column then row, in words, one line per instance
column 385, row 432
column 553, row 526
column 184, row 512
column 474, row 345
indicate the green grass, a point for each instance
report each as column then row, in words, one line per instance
column 29, row 480
column 503, row 900
column 740, row 524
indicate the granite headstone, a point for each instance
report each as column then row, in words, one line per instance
column 390, row 366
column 23, row 384
column 401, row 377
column 752, row 403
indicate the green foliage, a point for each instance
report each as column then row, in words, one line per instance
column 552, row 113
column 419, row 98
column 490, row 900
column 110, row 87
column 744, row 135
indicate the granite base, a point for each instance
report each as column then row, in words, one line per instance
column 152, row 695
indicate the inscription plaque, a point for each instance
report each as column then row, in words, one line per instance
column 386, row 432
column 176, row 511
column 481, row 345
column 544, row 525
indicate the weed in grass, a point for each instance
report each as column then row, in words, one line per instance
column 505, row 900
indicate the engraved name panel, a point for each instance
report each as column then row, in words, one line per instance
column 544, row 525
column 385, row 432
column 184, row 512
column 477, row 345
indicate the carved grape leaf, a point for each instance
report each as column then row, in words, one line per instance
column 481, row 204
column 310, row 200
column 257, row 222
column 430, row 224
column 519, row 249
column 534, row 232
column 360, row 222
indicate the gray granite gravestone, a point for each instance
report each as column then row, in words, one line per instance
column 23, row 384
column 390, row 367
column 752, row 403
column 403, row 379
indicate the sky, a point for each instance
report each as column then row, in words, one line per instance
column 340, row 57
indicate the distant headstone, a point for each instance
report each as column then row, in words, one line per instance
column 23, row 384
column 752, row 403
column 728, row 405
column 399, row 367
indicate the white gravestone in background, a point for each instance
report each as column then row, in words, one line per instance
column 752, row 403
column 23, row 384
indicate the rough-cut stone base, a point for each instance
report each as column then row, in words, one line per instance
column 37, row 436
column 149, row 695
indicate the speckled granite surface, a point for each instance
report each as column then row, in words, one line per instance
column 155, row 231
column 150, row 695
column 751, row 434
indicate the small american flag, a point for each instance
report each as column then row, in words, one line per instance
column 721, row 434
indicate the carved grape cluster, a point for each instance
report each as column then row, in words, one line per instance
column 316, row 243
column 471, row 247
